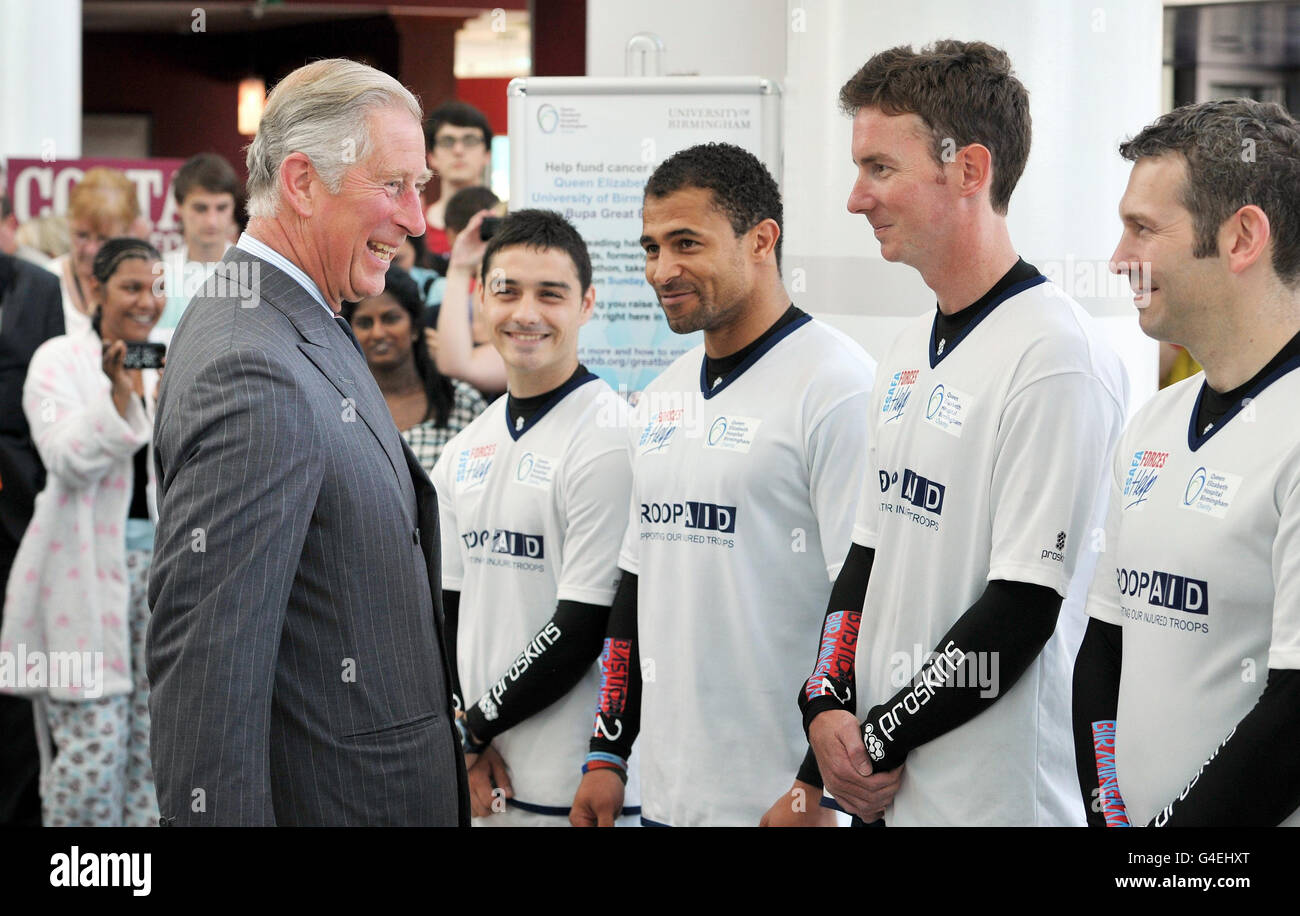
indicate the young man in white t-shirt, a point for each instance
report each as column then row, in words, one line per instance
column 533, row 501
column 206, row 191
column 748, row 452
column 954, row 621
column 1186, row 689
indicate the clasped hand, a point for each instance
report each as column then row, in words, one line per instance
column 836, row 739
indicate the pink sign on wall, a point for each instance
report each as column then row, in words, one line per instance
column 37, row 188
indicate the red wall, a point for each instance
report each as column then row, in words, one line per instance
column 188, row 83
column 193, row 111
column 488, row 95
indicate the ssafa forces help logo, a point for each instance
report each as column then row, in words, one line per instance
column 898, row 393
column 659, row 430
column 919, row 493
column 1166, row 591
column 473, row 464
column 1143, row 470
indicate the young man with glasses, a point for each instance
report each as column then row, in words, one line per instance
column 458, row 139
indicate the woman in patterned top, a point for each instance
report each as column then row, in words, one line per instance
column 79, row 585
column 428, row 408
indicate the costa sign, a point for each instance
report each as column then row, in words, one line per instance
column 38, row 188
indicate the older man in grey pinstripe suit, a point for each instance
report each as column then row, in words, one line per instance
column 296, row 653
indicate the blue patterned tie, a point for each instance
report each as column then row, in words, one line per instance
column 347, row 329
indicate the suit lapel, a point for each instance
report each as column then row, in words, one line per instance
column 351, row 378
column 330, row 351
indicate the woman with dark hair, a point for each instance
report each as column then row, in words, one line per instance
column 78, row 589
column 428, row 408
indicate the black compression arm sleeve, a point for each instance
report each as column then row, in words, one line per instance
column 547, row 668
column 1253, row 779
column 809, row 772
column 1095, row 701
column 450, row 622
column 976, row 661
column 831, row 684
column 618, row 706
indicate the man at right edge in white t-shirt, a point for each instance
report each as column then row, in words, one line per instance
column 1186, row 693
column 960, row 601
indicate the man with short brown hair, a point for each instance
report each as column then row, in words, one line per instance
column 206, row 191
column 459, row 142
column 1187, row 685
column 991, row 420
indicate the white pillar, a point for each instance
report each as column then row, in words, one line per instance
column 1093, row 71
column 40, row 78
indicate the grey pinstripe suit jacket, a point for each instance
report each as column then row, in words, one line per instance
column 295, row 652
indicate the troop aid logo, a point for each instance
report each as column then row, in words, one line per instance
column 1155, row 591
column 917, row 493
column 694, row 517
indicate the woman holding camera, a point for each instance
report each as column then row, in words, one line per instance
column 76, row 603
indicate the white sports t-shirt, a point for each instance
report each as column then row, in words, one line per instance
column 987, row 462
column 1202, row 570
column 529, row 518
column 741, row 510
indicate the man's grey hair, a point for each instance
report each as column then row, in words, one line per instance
column 321, row 110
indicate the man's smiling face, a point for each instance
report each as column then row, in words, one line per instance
column 694, row 260
column 535, row 305
column 357, row 231
column 1174, row 291
column 900, row 188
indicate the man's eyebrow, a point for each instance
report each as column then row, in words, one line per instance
column 872, row 158
column 1135, row 215
column 553, row 284
column 676, row 233
column 396, row 174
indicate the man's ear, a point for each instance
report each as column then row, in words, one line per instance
column 296, row 177
column 1244, row 237
column 974, row 169
column 588, row 304
column 764, row 237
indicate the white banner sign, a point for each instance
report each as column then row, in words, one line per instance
column 585, row 148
